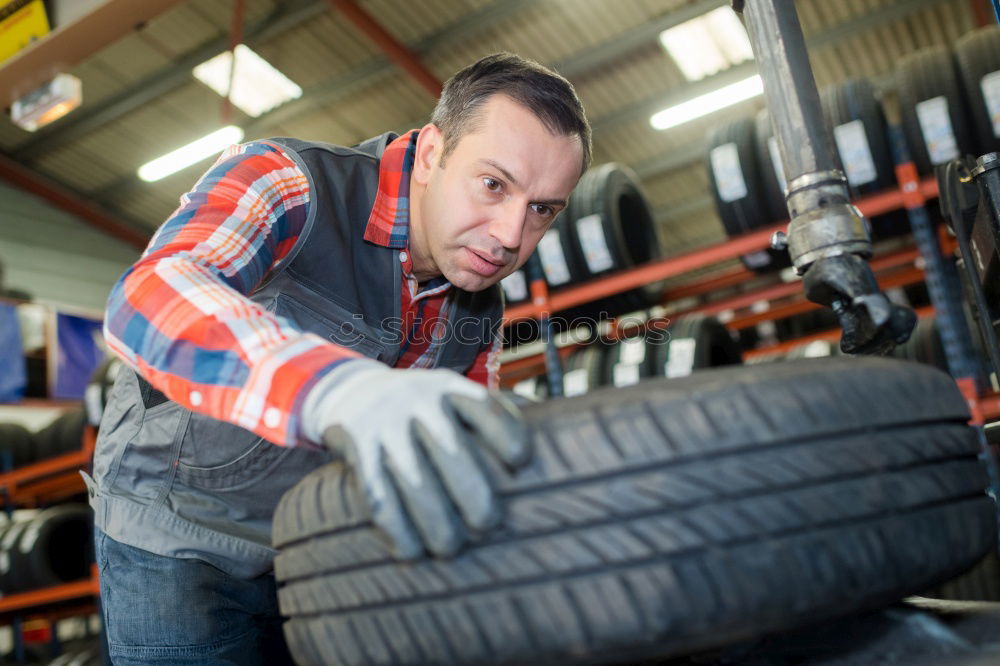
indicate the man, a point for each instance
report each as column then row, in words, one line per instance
column 326, row 300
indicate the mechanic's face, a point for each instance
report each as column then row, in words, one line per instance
column 478, row 217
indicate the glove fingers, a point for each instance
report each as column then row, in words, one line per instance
column 424, row 497
column 462, row 475
column 497, row 423
column 386, row 507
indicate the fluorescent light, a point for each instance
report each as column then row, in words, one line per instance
column 196, row 151
column 257, row 87
column 708, row 44
column 708, row 103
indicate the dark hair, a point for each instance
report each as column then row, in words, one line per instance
column 543, row 92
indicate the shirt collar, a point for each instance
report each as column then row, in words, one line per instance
column 389, row 222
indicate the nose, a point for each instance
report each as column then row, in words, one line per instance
column 508, row 226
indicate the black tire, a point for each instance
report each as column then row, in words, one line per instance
column 739, row 214
column 926, row 75
column 764, row 202
column 17, row 445
column 869, row 165
column 53, row 547
column 978, row 55
column 63, row 435
column 588, row 368
column 695, row 342
column 632, row 359
column 773, row 190
column 623, row 233
column 924, row 345
column 661, row 519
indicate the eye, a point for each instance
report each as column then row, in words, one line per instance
column 492, row 184
column 543, row 210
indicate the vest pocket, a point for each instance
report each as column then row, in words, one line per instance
column 249, row 465
column 336, row 324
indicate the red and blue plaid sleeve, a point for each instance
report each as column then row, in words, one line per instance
column 181, row 317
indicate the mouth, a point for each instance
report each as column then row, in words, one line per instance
column 483, row 264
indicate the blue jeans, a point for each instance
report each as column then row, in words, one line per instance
column 166, row 611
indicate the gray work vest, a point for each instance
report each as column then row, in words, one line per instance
column 181, row 484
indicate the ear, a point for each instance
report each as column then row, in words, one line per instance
column 430, row 143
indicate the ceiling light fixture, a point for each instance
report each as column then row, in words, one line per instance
column 257, row 87
column 708, row 44
column 194, row 152
column 708, row 103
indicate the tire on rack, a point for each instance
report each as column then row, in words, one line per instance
column 928, row 86
column 695, row 342
column 612, row 228
column 631, row 359
column 861, row 138
column 924, row 346
column 17, row 445
column 659, row 520
column 978, row 56
column 63, row 435
column 585, row 369
column 742, row 196
column 53, row 547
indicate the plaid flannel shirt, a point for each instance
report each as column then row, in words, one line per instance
column 180, row 315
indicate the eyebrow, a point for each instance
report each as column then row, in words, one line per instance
column 509, row 176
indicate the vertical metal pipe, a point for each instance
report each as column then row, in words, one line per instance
column 780, row 50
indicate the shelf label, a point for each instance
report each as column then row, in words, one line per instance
column 990, row 85
column 935, row 125
column 757, row 259
column 527, row 388
column 855, row 153
column 633, row 350
column 776, row 163
column 575, row 382
column 590, row 229
column 553, row 260
column 625, row 374
column 680, row 360
column 725, row 160
column 515, row 286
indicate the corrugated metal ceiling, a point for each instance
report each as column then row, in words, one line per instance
column 608, row 48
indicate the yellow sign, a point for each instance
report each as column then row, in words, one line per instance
column 21, row 23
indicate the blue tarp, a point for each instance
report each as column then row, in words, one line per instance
column 13, row 376
column 79, row 351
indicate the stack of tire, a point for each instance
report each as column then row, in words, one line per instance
column 19, row 446
column 737, row 173
column 861, row 136
column 660, row 520
column 52, row 547
column 747, row 177
column 690, row 344
column 608, row 226
column 934, row 107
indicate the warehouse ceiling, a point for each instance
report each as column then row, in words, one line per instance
column 141, row 100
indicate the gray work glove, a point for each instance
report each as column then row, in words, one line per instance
column 414, row 439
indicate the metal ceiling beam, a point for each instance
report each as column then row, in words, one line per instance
column 591, row 59
column 347, row 84
column 72, row 202
column 389, row 45
column 69, row 44
column 158, row 84
column 366, row 74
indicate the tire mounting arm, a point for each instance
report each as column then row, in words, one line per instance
column 828, row 238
